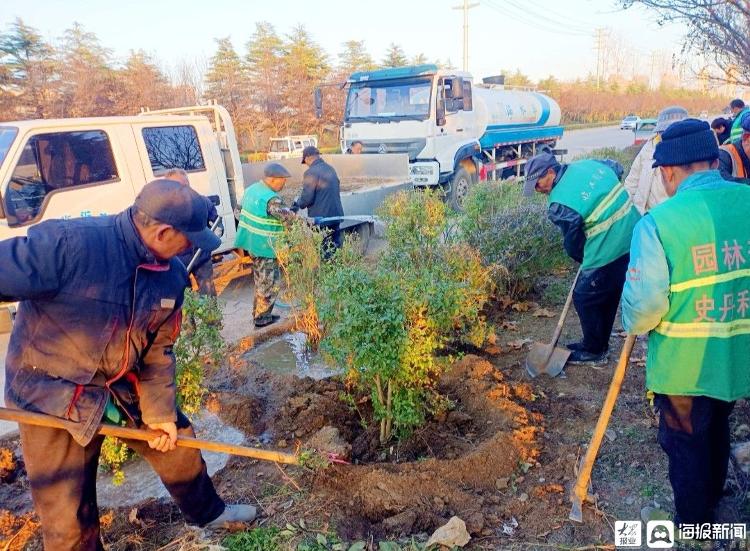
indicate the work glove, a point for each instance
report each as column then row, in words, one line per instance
column 294, row 208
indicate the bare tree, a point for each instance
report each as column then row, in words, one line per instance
column 717, row 29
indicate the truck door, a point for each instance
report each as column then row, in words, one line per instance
column 55, row 174
column 193, row 148
column 458, row 128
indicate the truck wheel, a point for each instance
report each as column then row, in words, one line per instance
column 460, row 186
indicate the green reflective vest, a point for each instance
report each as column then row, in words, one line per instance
column 736, row 132
column 257, row 232
column 592, row 190
column 702, row 345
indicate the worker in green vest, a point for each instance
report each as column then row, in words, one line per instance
column 261, row 221
column 596, row 215
column 740, row 111
column 688, row 287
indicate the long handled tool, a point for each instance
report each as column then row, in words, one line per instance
column 42, row 420
column 549, row 358
column 580, row 490
column 199, row 251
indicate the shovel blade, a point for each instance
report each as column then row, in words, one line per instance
column 544, row 359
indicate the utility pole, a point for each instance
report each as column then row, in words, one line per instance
column 599, row 49
column 466, row 7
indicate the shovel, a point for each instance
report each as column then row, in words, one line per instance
column 42, row 420
column 549, row 358
column 579, row 493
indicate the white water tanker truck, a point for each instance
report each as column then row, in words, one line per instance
column 454, row 130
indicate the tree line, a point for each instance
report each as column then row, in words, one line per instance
column 267, row 86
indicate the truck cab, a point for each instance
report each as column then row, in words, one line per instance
column 68, row 168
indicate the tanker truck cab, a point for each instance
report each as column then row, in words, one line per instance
column 70, row 168
column 453, row 130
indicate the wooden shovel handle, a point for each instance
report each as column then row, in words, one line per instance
column 42, row 420
column 584, row 474
column 564, row 314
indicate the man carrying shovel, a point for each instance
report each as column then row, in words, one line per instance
column 688, row 287
column 100, row 309
column 592, row 209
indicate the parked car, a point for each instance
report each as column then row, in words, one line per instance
column 643, row 130
column 703, row 115
column 629, row 122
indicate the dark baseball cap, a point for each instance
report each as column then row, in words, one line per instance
column 537, row 167
column 309, row 150
column 171, row 203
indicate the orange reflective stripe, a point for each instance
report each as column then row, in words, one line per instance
column 738, row 167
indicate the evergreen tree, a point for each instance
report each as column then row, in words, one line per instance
column 142, row 84
column 226, row 79
column 87, row 81
column 354, row 58
column 27, row 68
column 264, row 56
column 419, row 59
column 394, row 56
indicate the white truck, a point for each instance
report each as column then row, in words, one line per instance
column 454, row 131
column 65, row 168
column 290, row 147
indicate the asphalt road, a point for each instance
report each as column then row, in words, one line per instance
column 583, row 141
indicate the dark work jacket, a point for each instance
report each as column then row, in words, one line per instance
column 570, row 222
column 95, row 306
column 205, row 256
column 725, row 163
column 320, row 191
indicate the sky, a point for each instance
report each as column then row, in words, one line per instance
column 549, row 37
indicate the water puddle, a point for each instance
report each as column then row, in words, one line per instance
column 141, row 483
column 289, row 355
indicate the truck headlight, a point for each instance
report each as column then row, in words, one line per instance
column 425, row 170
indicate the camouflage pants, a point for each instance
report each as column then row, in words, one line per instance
column 267, row 278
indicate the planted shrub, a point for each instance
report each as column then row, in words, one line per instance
column 512, row 235
column 298, row 253
column 387, row 321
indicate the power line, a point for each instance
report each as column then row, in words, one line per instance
column 466, row 7
column 558, row 21
column 526, row 20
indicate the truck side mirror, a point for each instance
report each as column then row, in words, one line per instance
column 457, row 88
column 318, row 100
column 440, row 112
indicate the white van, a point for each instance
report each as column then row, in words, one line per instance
column 289, row 147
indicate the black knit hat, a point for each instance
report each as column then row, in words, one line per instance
column 684, row 142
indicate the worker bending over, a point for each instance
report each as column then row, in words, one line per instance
column 99, row 312
column 688, row 288
column 596, row 216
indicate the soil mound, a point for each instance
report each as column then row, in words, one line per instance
column 400, row 498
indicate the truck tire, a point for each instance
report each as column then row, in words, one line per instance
column 460, row 185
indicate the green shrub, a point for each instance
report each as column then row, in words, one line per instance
column 200, row 339
column 387, row 323
column 513, row 236
column 298, row 253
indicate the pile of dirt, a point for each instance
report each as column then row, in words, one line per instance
column 393, row 499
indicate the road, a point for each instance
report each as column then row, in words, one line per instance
column 576, row 142
column 583, row 141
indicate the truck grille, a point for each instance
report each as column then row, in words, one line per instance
column 411, row 147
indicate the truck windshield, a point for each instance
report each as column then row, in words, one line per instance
column 7, row 135
column 278, row 146
column 389, row 99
